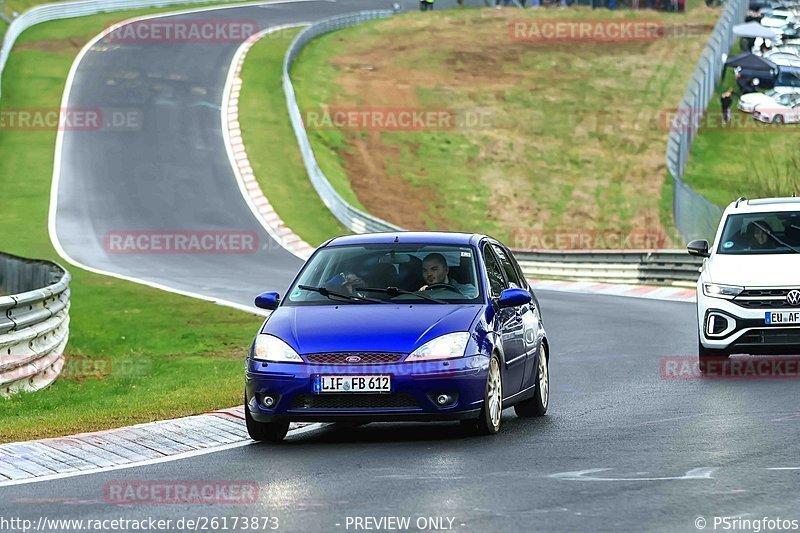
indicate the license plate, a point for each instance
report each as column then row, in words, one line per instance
column 326, row 384
column 785, row 317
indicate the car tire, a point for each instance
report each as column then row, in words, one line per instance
column 704, row 355
column 778, row 119
column 264, row 431
column 537, row 404
column 492, row 410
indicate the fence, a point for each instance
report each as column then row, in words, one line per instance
column 65, row 10
column 662, row 267
column 34, row 323
column 695, row 216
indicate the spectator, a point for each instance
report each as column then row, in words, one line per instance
column 726, row 100
column 426, row 5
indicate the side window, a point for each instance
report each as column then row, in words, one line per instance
column 495, row 273
column 508, row 268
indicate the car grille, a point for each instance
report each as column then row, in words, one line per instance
column 764, row 299
column 365, row 358
column 771, row 336
column 343, row 402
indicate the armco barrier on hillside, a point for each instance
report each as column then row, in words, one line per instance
column 658, row 267
column 34, row 323
column 352, row 218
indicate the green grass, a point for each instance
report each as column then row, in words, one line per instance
column 168, row 355
column 575, row 139
column 745, row 159
column 271, row 145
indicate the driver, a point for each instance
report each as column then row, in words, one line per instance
column 759, row 239
column 436, row 272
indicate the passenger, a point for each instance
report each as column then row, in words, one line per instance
column 436, row 272
column 345, row 282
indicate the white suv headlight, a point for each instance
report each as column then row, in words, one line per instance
column 444, row 347
column 271, row 348
column 722, row 291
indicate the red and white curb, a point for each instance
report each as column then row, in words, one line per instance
column 114, row 449
column 676, row 294
column 237, row 154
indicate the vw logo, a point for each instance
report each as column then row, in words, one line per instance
column 356, row 359
column 793, row 298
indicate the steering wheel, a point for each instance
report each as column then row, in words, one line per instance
column 434, row 286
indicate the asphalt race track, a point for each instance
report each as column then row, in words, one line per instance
column 622, row 448
column 169, row 173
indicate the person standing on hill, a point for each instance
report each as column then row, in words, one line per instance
column 426, row 5
column 726, row 100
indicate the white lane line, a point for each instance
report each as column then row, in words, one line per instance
column 51, row 223
column 177, row 457
column 583, row 475
column 785, row 468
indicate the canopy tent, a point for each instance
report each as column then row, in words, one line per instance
column 750, row 61
column 754, row 30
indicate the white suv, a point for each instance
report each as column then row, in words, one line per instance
column 748, row 294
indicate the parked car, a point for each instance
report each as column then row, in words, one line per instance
column 786, row 110
column 400, row 326
column 748, row 102
column 748, row 293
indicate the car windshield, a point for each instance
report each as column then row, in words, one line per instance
column 772, row 93
column 761, row 233
column 388, row 273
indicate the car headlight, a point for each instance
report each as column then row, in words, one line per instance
column 444, row 347
column 721, row 291
column 271, row 348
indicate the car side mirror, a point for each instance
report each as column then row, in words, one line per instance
column 513, row 298
column 268, row 300
column 699, row 248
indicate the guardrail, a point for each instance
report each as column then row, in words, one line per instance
column 695, row 216
column 353, row 219
column 34, row 323
column 660, row 267
column 65, row 10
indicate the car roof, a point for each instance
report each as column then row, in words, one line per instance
column 418, row 237
column 763, row 205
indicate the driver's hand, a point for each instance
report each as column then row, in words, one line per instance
column 423, row 288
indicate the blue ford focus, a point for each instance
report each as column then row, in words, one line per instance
column 399, row 326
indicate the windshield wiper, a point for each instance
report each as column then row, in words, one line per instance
column 775, row 237
column 329, row 293
column 394, row 291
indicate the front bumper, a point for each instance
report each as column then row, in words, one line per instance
column 414, row 389
column 747, row 330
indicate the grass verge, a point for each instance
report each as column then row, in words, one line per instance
column 271, row 145
column 744, row 158
column 159, row 355
column 575, row 135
